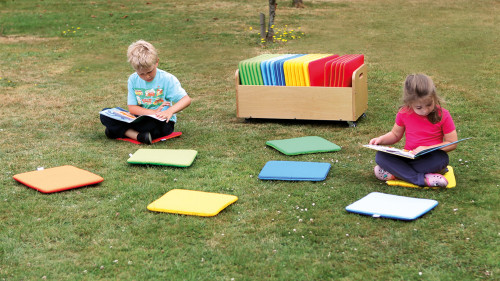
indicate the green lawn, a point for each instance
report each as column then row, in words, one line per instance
column 63, row 61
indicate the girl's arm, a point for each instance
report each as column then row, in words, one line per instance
column 392, row 137
column 448, row 138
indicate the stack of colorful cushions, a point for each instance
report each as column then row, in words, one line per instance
column 320, row 70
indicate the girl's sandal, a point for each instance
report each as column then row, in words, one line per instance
column 435, row 180
column 382, row 174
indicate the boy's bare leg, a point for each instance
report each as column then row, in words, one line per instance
column 144, row 137
column 131, row 133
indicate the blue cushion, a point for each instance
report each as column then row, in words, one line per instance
column 279, row 68
column 294, row 171
column 271, row 71
column 378, row 204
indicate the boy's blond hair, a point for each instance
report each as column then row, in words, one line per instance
column 142, row 55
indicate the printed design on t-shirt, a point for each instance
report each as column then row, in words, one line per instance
column 159, row 92
column 150, row 93
column 149, row 98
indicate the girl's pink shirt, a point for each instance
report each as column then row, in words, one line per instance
column 419, row 131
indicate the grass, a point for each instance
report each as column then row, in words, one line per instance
column 53, row 86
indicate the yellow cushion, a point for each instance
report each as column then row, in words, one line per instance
column 450, row 176
column 166, row 157
column 191, row 202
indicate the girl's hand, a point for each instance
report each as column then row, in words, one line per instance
column 375, row 141
column 418, row 149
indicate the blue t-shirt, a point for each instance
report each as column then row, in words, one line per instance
column 150, row 95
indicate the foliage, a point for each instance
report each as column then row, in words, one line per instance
column 70, row 31
column 281, row 35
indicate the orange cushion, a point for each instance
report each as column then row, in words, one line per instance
column 57, row 179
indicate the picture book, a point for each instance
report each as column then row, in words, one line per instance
column 121, row 114
column 406, row 153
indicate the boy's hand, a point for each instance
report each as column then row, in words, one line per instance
column 165, row 103
column 164, row 114
column 167, row 114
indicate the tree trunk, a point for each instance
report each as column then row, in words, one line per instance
column 262, row 26
column 298, row 4
column 272, row 13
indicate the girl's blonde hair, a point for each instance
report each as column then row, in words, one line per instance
column 418, row 86
column 142, row 55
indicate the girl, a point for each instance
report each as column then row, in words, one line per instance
column 425, row 124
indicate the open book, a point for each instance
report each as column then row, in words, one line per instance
column 406, row 153
column 121, row 114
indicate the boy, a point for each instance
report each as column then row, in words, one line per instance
column 151, row 91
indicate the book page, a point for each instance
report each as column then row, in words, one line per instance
column 121, row 114
column 391, row 150
column 118, row 114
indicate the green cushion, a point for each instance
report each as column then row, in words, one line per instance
column 250, row 71
column 303, row 145
column 165, row 157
